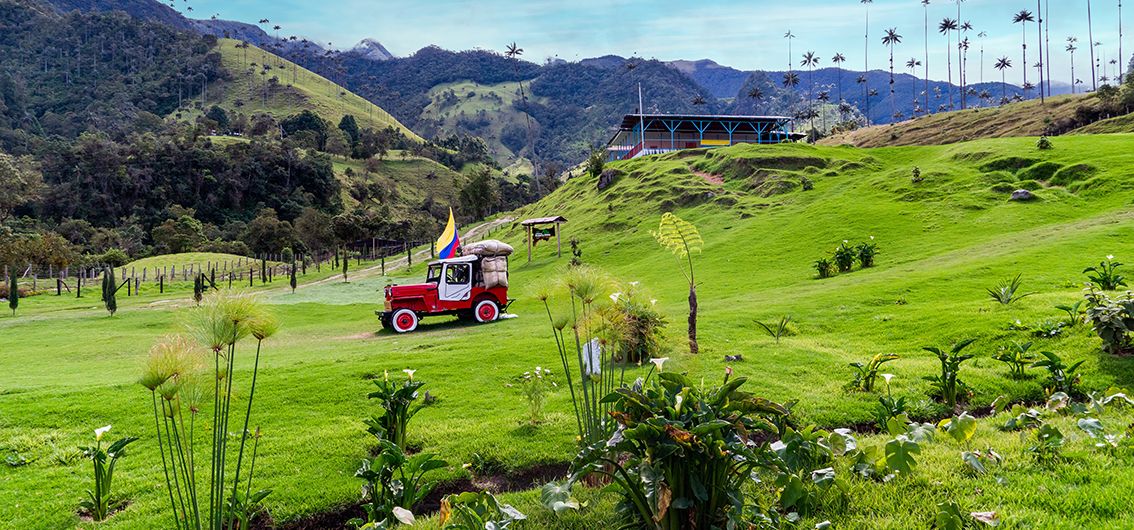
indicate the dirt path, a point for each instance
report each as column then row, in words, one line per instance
column 475, row 232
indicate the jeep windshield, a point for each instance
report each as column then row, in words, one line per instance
column 434, row 274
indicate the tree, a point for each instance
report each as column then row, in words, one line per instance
column 512, row 51
column 810, row 60
column 682, row 239
column 866, row 59
column 219, row 116
column 791, row 80
column 1071, row 50
column 291, row 280
column 13, row 291
column 1003, row 64
column 481, row 194
column 790, row 63
column 1091, row 40
column 267, row 234
column 1022, row 18
column 313, row 228
column 109, row 291
column 183, row 234
column 595, row 163
column 912, row 64
column 349, row 126
column 338, row 143
column 838, row 61
column 20, row 183
column 960, row 59
column 925, row 9
column 892, row 39
column 946, row 26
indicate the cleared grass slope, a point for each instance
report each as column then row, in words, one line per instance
column 297, row 89
column 1026, row 118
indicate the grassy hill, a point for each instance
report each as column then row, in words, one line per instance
column 297, row 89
column 68, row 369
column 486, row 111
column 1027, row 118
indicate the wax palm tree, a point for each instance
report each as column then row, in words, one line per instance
column 838, row 60
column 946, row 26
column 892, row 39
column 790, row 37
column 925, row 9
column 824, row 97
column 960, row 59
column 963, row 67
column 1121, row 57
column 755, row 94
column 912, row 64
column 1071, row 48
column 1091, row 39
column 1047, row 42
column 866, row 58
column 982, row 35
column 810, row 60
column 1003, row 64
column 1039, row 35
column 791, row 80
column 513, row 52
column 1022, row 18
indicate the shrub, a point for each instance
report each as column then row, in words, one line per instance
column 394, row 484
column 99, row 503
column 13, row 292
column 109, row 291
column 1063, row 378
column 1017, row 358
column 825, row 267
column 1047, row 444
column 866, row 252
column 682, row 453
column 477, row 511
column 398, row 408
column 915, row 175
column 1007, row 291
column 1044, row 144
column 1075, row 312
column 535, row 385
column 866, row 374
column 1106, row 275
column 948, row 386
column 1112, row 319
column 631, row 325
column 845, row 257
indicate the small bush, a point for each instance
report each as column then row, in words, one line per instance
column 1044, row 144
column 845, row 256
column 1112, row 319
column 1106, row 275
column 1007, row 291
column 825, row 267
column 866, row 253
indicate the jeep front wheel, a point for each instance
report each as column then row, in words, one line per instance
column 404, row 321
column 486, row 311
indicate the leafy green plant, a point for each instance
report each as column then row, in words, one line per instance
column 1008, row 291
column 535, row 385
column 980, row 461
column 682, row 453
column 1047, row 445
column 1075, row 312
column 109, row 291
column 890, row 414
column 682, row 239
column 99, row 502
column 949, row 516
column 1017, row 357
column 802, row 465
column 1048, row 329
column 866, row 374
column 1106, row 275
column 825, row 267
column 175, row 373
column 1022, row 418
column 778, row 329
column 845, row 256
column 246, row 505
column 1112, row 319
column 866, row 252
column 477, row 511
column 394, row 484
column 198, row 287
column 896, row 457
column 1063, row 377
column 948, row 386
column 1044, row 144
column 397, row 399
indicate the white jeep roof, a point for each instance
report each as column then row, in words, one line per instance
column 461, row 259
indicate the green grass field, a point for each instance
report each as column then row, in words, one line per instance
column 67, row 368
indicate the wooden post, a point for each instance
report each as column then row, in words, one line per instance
column 409, row 255
column 529, row 227
column 558, row 243
column 383, row 264
column 250, row 277
column 161, row 284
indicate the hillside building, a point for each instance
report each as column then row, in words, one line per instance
column 668, row 132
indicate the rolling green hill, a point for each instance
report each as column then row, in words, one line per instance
column 942, row 240
column 487, row 111
column 251, row 90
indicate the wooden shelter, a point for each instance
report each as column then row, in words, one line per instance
column 535, row 233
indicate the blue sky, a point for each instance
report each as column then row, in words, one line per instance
column 743, row 34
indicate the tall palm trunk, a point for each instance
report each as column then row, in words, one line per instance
column 1072, row 72
column 1024, row 28
column 893, row 110
column 960, row 59
column 926, row 95
column 949, row 64
column 1091, row 45
column 1047, row 40
column 866, row 65
column 1039, row 34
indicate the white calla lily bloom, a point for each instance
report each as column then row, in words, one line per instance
column 98, row 433
column 410, row 373
column 659, row 361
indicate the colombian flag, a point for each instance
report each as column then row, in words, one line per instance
column 449, row 241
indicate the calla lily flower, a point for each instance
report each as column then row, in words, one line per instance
column 614, row 297
column 409, row 373
column 403, row 515
column 98, row 433
column 887, row 377
column 1110, row 256
column 659, row 361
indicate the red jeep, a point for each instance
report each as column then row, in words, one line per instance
column 454, row 286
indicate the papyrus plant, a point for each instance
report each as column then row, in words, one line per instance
column 99, row 502
column 177, row 374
